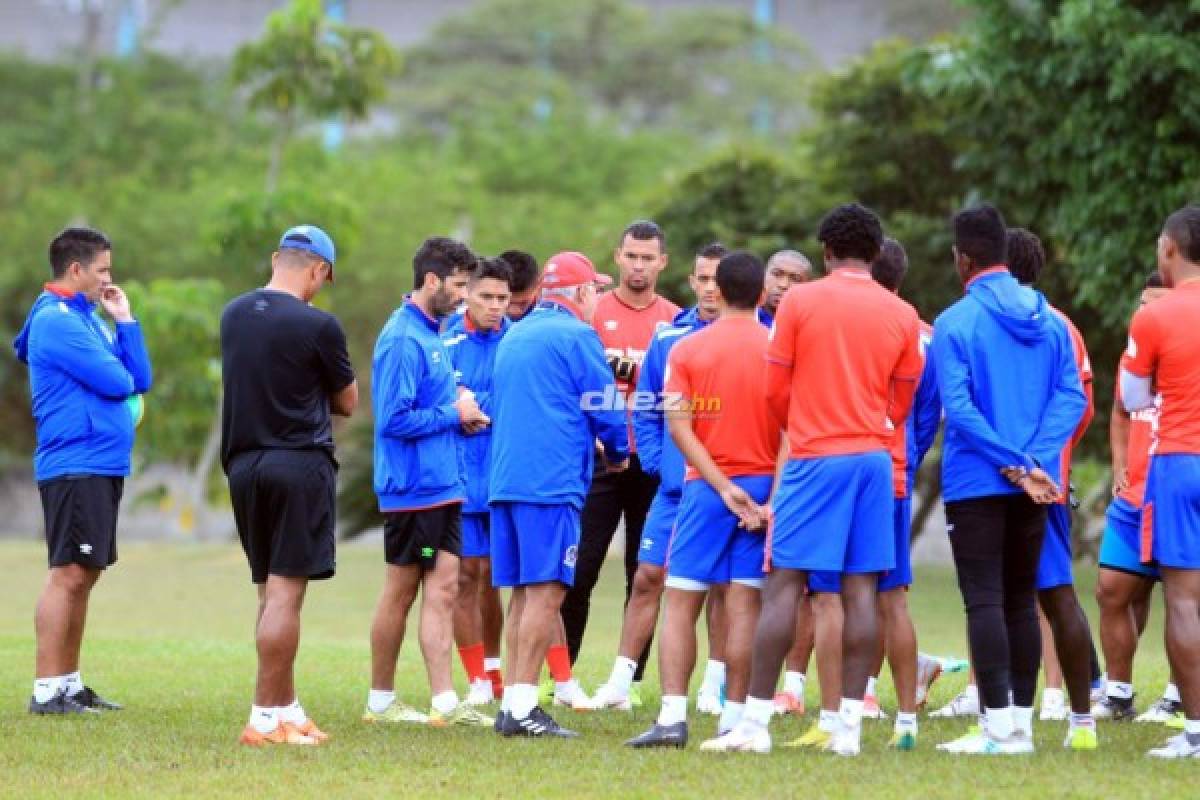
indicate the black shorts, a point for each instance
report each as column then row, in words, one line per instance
column 415, row 537
column 284, row 503
column 81, row 519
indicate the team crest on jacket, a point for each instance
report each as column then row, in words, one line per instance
column 571, row 555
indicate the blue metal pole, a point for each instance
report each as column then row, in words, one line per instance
column 129, row 28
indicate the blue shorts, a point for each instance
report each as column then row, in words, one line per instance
column 660, row 524
column 708, row 546
column 534, row 543
column 834, row 514
column 1054, row 565
column 1122, row 541
column 1171, row 513
column 898, row 577
column 476, row 543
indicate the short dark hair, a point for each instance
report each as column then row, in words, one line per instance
column 443, row 257
column 1026, row 256
column 981, row 235
column 891, row 265
column 740, row 277
column 525, row 269
column 76, row 245
column 1154, row 281
column 644, row 230
column 1183, row 228
column 715, row 250
column 851, row 231
column 495, row 268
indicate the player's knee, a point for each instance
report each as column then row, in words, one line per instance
column 1110, row 597
column 649, row 580
column 73, row 579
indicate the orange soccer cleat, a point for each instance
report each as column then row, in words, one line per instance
column 284, row 733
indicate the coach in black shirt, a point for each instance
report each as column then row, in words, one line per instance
column 285, row 369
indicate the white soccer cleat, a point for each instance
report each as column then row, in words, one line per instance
column 845, row 742
column 983, row 745
column 574, row 697
column 1176, row 747
column 963, row 705
column 708, row 703
column 1162, row 711
column 929, row 669
column 609, row 697
column 480, row 694
column 744, row 738
column 1053, row 709
column 968, row 741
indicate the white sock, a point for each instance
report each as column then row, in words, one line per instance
column 998, row 722
column 731, row 715
column 972, row 692
column 906, row 721
column 1081, row 720
column 523, row 697
column 622, row 674
column 794, row 682
column 1023, row 720
column 828, row 721
column 566, row 687
column 293, row 713
column 870, row 688
column 378, row 700
column 758, row 711
column 714, row 677
column 72, row 683
column 850, row 713
column 490, row 664
column 1053, row 697
column 444, row 702
column 264, row 719
column 44, row 689
column 673, row 709
column 1171, row 693
column 1119, row 690
column 1191, row 727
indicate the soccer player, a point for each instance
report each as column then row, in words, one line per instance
column 419, row 481
column 1012, row 396
column 833, row 509
column 626, row 318
column 525, row 283
column 660, row 458
column 1072, row 638
column 1125, row 584
column 548, row 393
column 785, row 269
column 722, row 423
column 285, row 369
column 471, row 340
column 1163, row 358
column 81, row 372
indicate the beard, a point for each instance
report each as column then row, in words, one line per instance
column 639, row 283
column 444, row 303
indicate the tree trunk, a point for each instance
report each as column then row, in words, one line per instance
column 197, row 493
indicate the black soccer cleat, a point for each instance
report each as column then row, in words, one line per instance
column 88, row 697
column 501, row 720
column 537, row 724
column 661, row 736
column 60, row 705
column 1116, row 709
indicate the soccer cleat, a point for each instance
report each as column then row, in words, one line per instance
column 1162, row 711
column 964, row 742
column 1054, row 710
column 573, row 696
column 788, row 703
column 60, row 704
column 1176, row 747
column 283, row 734
column 963, row 705
column 929, row 669
column 500, row 722
column 744, row 738
column 846, row 742
column 661, row 736
column 1114, row 709
column 1176, row 722
column 462, row 714
column 546, row 691
column 814, row 738
column 871, row 709
column 309, row 729
column 983, row 745
column 709, row 703
column 88, row 697
column 396, row 712
column 480, row 693
column 1081, row 738
column 538, row 724
column 609, row 697
column 903, row 740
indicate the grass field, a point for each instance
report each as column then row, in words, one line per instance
column 170, row 636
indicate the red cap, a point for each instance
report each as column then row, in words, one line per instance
column 571, row 269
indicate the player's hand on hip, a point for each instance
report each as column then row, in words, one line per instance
column 115, row 303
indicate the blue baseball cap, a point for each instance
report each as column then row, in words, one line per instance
column 311, row 239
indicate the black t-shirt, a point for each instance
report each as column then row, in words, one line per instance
column 281, row 359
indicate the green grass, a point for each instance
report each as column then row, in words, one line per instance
column 170, row 635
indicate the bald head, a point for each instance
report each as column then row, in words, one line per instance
column 784, row 269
